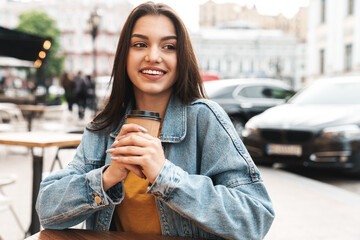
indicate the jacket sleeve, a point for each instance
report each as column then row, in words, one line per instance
column 69, row 196
column 226, row 197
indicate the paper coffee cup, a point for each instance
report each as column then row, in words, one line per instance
column 149, row 120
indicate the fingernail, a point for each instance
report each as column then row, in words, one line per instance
column 120, row 137
column 111, row 150
column 114, row 158
column 115, row 143
column 143, row 129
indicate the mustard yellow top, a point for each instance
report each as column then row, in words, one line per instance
column 137, row 212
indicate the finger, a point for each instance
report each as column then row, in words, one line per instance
column 128, row 150
column 115, row 143
column 134, row 139
column 129, row 160
column 136, row 170
column 131, row 127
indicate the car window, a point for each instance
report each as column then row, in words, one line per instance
column 264, row 92
column 221, row 92
column 329, row 93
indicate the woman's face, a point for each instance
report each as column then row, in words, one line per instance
column 152, row 59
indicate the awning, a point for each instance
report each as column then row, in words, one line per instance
column 14, row 62
column 20, row 45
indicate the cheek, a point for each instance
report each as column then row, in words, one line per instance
column 131, row 64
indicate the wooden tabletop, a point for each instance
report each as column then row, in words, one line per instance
column 40, row 139
column 76, row 234
column 32, row 108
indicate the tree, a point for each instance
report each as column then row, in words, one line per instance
column 39, row 23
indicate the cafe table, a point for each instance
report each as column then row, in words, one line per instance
column 77, row 234
column 40, row 140
column 30, row 111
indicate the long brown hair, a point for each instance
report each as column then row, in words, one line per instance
column 188, row 85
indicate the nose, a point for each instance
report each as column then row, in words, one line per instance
column 153, row 55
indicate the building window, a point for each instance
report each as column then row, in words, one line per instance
column 323, row 11
column 322, row 61
column 350, row 7
column 240, row 67
column 219, row 65
column 348, row 57
column 228, row 66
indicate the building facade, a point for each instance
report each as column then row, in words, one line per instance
column 212, row 14
column 72, row 17
column 246, row 52
column 333, row 38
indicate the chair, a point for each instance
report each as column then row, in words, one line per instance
column 11, row 118
column 57, row 159
column 5, row 203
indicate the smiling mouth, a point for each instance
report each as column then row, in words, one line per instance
column 153, row 72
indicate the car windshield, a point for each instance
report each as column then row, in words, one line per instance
column 329, row 93
column 216, row 90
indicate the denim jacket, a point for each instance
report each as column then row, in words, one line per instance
column 209, row 187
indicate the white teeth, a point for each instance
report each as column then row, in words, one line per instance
column 152, row 72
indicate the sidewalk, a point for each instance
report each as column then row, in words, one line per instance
column 310, row 210
column 305, row 209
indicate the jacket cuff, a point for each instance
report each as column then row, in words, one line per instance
column 169, row 176
column 96, row 194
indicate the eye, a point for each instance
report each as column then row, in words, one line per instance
column 139, row 45
column 169, row 47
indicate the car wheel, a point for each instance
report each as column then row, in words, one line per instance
column 239, row 125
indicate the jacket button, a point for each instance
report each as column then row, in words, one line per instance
column 97, row 199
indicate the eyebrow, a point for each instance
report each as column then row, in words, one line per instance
column 147, row 38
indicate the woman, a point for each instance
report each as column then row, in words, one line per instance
column 195, row 180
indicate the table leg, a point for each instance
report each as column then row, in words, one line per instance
column 37, row 177
column 30, row 117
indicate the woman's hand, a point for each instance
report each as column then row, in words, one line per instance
column 135, row 147
column 117, row 171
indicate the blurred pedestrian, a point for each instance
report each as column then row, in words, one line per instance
column 67, row 82
column 91, row 98
column 81, row 90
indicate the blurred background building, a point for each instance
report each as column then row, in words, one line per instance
column 212, row 14
column 237, row 41
column 72, row 17
column 333, row 38
column 245, row 51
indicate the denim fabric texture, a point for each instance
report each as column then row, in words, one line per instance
column 209, row 187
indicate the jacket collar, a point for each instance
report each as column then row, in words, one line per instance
column 174, row 125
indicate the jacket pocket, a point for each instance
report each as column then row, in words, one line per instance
column 94, row 157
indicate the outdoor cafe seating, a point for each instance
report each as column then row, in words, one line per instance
column 11, row 118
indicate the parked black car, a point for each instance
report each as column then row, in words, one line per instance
column 318, row 127
column 244, row 98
